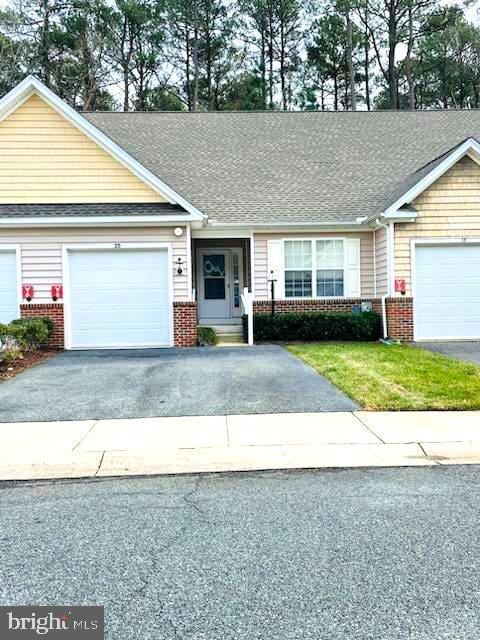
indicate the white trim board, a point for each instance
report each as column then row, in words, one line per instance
column 87, row 221
column 124, row 246
column 470, row 148
column 32, row 85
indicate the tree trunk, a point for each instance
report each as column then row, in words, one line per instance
column 283, row 85
column 270, row 59
column 208, row 59
column 188, row 55
column 349, row 53
column 195, row 66
column 408, row 62
column 392, row 70
column 125, row 65
column 366, row 45
column 263, row 66
column 44, row 43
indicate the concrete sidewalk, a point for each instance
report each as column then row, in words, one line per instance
column 43, row 450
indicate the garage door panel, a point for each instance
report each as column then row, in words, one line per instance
column 447, row 291
column 8, row 286
column 120, row 298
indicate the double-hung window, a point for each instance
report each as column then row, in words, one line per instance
column 314, row 268
column 330, row 268
column 298, row 269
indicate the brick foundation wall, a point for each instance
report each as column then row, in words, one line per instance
column 333, row 304
column 399, row 311
column 53, row 311
column 400, row 318
column 185, row 324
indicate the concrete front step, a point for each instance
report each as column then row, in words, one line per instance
column 230, row 337
column 224, row 329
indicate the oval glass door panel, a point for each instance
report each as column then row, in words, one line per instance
column 214, row 276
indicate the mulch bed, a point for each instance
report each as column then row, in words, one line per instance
column 20, row 364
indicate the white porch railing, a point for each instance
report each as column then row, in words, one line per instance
column 247, row 302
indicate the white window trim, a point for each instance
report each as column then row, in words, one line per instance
column 18, row 261
column 124, row 246
column 314, row 269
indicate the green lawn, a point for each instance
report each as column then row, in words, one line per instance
column 397, row 377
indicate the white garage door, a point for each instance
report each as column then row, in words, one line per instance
column 8, row 286
column 447, row 292
column 119, row 298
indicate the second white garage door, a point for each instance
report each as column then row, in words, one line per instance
column 447, row 292
column 119, row 298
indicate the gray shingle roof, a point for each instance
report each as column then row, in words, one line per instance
column 288, row 166
column 88, row 210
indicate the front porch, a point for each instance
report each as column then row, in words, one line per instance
column 221, row 269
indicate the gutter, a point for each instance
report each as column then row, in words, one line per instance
column 313, row 223
column 62, row 221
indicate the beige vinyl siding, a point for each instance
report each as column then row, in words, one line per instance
column 261, row 258
column 41, row 253
column 46, row 159
column 449, row 208
column 381, row 262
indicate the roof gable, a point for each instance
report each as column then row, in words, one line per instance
column 44, row 158
column 31, row 87
column 427, row 175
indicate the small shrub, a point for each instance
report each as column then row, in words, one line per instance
column 207, row 337
column 314, row 326
column 50, row 325
column 29, row 333
column 9, row 350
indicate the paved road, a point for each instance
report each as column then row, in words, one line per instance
column 372, row 554
column 462, row 350
column 83, row 385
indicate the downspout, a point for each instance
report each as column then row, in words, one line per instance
column 389, row 272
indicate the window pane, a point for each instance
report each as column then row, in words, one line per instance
column 298, row 254
column 214, row 288
column 298, row 284
column 214, row 265
column 330, row 283
column 236, row 280
column 330, row 254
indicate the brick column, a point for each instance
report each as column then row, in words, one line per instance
column 400, row 318
column 53, row 311
column 185, row 324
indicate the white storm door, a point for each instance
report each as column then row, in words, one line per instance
column 8, row 285
column 119, row 298
column 447, row 292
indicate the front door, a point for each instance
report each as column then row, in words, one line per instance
column 219, row 284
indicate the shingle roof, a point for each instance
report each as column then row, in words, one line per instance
column 282, row 167
column 89, row 210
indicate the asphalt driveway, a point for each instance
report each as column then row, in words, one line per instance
column 463, row 350
column 86, row 385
